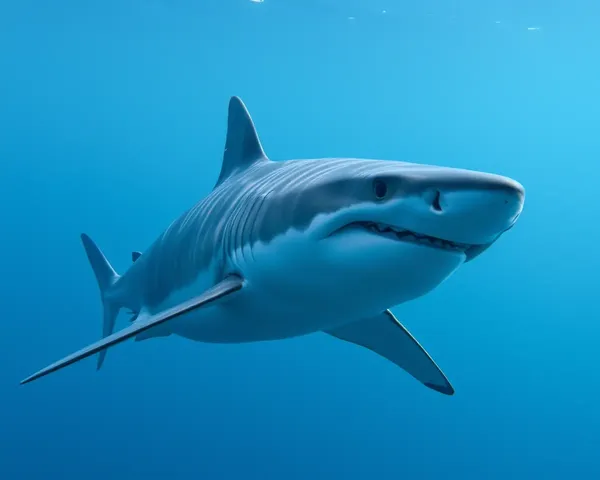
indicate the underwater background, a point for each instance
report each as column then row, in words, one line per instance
column 112, row 122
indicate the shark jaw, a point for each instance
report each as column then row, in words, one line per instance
column 403, row 235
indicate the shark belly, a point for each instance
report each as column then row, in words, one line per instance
column 250, row 317
column 292, row 289
column 247, row 318
column 267, row 308
column 254, row 315
column 288, row 292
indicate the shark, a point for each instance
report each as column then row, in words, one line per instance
column 287, row 248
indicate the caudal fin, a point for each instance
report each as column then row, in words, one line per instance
column 106, row 278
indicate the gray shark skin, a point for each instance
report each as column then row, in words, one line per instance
column 281, row 249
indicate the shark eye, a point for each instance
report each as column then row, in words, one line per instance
column 380, row 189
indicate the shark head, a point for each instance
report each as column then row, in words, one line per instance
column 404, row 228
column 383, row 232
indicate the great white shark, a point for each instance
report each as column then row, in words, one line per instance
column 281, row 249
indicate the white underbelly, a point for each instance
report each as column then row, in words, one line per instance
column 249, row 317
column 288, row 293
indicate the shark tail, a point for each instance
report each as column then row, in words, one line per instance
column 106, row 278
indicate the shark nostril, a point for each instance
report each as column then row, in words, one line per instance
column 436, row 202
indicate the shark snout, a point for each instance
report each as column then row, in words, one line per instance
column 469, row 207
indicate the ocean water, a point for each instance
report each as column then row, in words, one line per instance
column 112, row 122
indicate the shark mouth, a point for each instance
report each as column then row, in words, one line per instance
column 412, row 237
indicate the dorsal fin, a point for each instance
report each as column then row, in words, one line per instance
column 135, row 256
column 242, row 146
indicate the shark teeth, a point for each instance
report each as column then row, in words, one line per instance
column 407, row 235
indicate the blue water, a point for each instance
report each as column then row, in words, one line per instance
column 112, row 122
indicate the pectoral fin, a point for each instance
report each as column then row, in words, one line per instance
column 386, row 336
column 226, row 287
